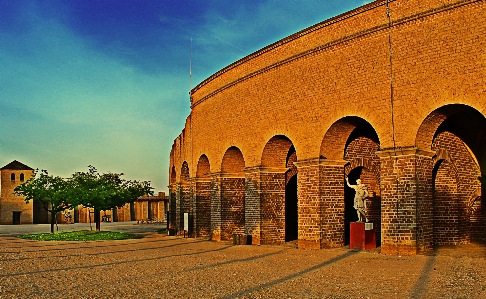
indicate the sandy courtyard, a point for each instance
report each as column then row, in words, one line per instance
column 159, row 266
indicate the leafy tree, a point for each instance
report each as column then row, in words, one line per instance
column 106, row 191
column 53, row 192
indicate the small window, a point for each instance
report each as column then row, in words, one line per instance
column 21, row 177
column 12, row 177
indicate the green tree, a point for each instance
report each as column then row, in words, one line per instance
column 106, row 191
column 52, row 191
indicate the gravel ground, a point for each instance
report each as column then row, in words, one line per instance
column 159, row 266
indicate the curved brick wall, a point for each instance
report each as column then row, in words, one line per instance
column 358, row 75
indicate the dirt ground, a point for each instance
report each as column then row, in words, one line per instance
column 159, row 266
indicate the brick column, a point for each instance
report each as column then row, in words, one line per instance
column 215, row 198
column 272, row 205
column 202, row 207
column 252, row 204
column 172, row 207
column 407, row 204
column 232, row 205
column 183, row 204
column 332, row 201
column 321, row 203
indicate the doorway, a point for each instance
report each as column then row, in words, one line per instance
column 291, row 210
column 16, row 218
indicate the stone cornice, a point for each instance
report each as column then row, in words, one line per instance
column 306, row 53
column 291, row 38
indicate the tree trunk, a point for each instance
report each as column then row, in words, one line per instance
column 53, row 220
column 97, row 219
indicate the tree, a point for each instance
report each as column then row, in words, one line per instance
column 106, row 191
column 53, row 192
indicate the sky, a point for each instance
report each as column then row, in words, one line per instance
column 106, row 82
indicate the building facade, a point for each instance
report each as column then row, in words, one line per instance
column 393, row 93
column 13, row 209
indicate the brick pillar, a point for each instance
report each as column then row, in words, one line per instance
column 232, row 205
column 202, row 207
column 272, row 205
column 215, row 197
column 321, row 203
column 252, row 205
column 407, row 204
column 172, row 207
column 183, row 204
column 332, row 202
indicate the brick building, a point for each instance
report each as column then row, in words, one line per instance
column 393, row 92
column 13, row 209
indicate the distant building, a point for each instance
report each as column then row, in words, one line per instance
column 144, row 209
column 13, row 209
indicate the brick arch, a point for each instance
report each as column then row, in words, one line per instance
column 428, row 129
column 233, row 161
column 463, row 121
column 276, row 151
column 369, row 164
column 456, row 171
column 340, row 134
column 185, row 172
column 203, row 167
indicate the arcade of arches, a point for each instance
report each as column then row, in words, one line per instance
column 271, row 138
column 418, row 198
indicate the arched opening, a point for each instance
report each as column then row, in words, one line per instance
column 202, row 215
column 12, row 177
column 232, row 185
column 355, row 140
column 185, row 172
column 456, row 133
column 350, row 214
column 291, row 202
column 173, row 175
column 184, row 199
column 278, row 183
column 203, row 167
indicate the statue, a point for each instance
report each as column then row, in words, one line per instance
column 359, row 199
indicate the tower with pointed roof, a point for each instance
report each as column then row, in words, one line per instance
column 13, row 209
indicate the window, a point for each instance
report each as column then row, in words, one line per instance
column 21, row 177
column 12, row 177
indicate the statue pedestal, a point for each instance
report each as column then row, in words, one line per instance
column 362, row 236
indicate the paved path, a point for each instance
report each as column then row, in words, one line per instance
column 129, row 226
column 159, row 266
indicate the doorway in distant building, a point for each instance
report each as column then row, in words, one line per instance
column 16, row 217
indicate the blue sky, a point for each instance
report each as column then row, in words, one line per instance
column 106, row 83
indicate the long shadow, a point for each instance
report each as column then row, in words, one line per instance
column 101, row 253
column 421, row 284
column 251, row 258
column 127, row 242
column 113, row 263
column 289, row 277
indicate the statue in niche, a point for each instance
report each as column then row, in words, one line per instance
column 359, row 199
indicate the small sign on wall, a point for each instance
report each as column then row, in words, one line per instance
column 186, row 221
